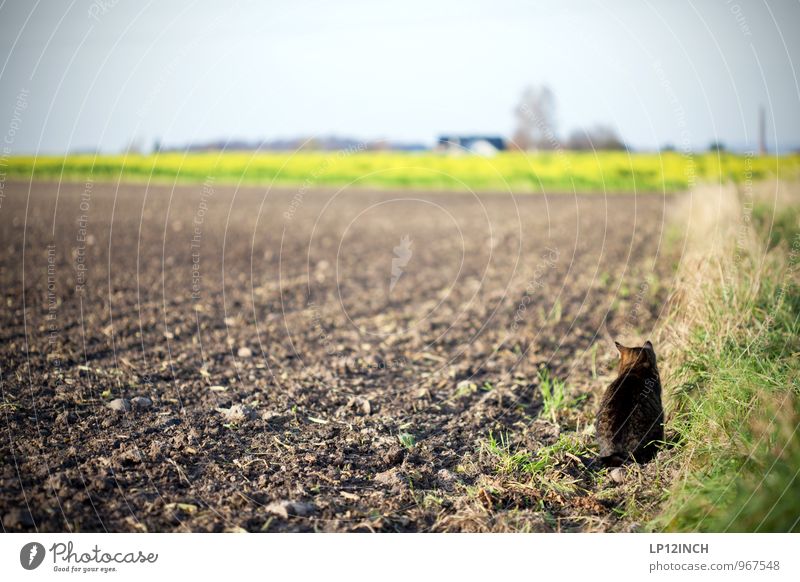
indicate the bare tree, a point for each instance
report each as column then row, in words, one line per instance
column 536, row 120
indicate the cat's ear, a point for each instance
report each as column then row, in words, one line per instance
column 620, row 347
column 648, row 345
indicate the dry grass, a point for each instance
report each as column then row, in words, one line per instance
column 731, row 367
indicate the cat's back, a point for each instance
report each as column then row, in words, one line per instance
column 631, row 418
column 618, row 401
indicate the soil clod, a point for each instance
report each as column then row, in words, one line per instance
column 294, row 508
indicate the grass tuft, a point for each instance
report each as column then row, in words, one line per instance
column 554, row 394
column 407, row 439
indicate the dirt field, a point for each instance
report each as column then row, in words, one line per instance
column 295, row 365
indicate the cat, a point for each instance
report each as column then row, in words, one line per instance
column 630, row 422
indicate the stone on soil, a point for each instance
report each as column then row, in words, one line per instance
column 141, row 403
column 120, row 405
column 286, row 508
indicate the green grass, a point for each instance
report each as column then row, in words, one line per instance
column 517, row 172
column 780, row 226
column 543, row 469
column 551, row 456
column 406, row 439
column 554, row 394
column 738, row 395
column 500, row 448
column 510, row 460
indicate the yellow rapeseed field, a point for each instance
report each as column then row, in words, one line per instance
column 557, row 171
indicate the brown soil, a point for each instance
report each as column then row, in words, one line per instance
column 283, row 366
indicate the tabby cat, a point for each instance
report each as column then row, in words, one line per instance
column 631, row 419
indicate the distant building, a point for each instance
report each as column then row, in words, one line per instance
column 483, row 145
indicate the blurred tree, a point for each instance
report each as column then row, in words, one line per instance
column 536, row 120
column 717, row 146
column 600, row 137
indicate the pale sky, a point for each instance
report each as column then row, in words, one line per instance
column 659, row 72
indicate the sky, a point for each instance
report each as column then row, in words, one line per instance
column 99, row 75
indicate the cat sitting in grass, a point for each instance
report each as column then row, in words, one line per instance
column 630, row 423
